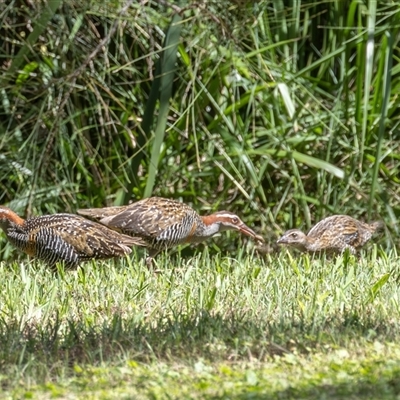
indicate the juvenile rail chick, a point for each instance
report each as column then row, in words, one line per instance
column 333, row 234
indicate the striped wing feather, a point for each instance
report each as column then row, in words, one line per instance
column 153, row 218
column 52, row 248
column 88, row 239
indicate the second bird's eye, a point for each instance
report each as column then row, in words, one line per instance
column 235, row 220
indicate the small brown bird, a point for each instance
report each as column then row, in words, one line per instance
column 64, row 237
column 333, row 234
column 164, row 223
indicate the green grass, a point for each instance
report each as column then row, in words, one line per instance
column 278, row 326
column 284, row 112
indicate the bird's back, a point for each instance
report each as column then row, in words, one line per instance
column 338, row 231
column 98, row 213
column 72, row 239
column 157, row 220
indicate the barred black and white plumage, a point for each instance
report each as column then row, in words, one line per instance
column 164, row 223
column 64, row 238
column 333, row 234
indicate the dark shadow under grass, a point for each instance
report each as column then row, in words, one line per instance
column 45, row 353
column 384, row 388
column 277, row 313
column 211, row 337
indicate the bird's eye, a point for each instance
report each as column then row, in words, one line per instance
column 294, row 235
column 235, row 220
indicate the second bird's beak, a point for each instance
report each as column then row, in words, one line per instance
column 280, row 241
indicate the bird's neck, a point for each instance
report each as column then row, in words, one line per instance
column 206, row 227
column 10, row 221
column 300, row 246
column 310, row 244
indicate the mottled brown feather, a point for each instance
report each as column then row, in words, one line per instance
column 65, row 237
column 164, row 223
column 333, row 234
column 149, row 217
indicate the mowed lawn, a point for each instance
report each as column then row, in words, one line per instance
column 250, row 327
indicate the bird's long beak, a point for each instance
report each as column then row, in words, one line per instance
column 249, row 232
column 281, row 240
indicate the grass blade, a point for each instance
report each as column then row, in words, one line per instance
column 384, row 112
column 167, row 77
column 40, row 26
column 369, row 66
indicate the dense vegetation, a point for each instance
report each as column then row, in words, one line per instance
column 282, row 111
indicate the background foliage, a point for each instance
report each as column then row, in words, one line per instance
column 283, row 111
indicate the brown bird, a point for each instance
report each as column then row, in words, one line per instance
column 333, row 234
column 164, row 223
column 64, row 237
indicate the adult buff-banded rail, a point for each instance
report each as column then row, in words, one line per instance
column 164, row 223
column 64, row 238
column 332, row 235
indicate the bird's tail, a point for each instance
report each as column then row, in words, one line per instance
column 99, row 213
column 377, row 226
column 133, row 241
